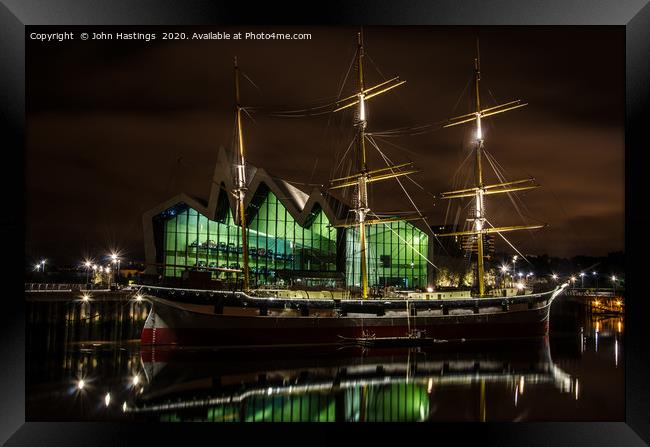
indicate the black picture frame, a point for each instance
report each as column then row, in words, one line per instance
column 634, row 15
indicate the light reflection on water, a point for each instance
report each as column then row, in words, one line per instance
column 85, row 363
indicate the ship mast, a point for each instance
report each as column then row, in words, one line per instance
column 479, row 219
column 364, row 176
column 240, row 181
column 362, row 188
column 480, row 190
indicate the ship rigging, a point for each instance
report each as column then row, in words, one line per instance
column 364, row 176
column 198, row 317
column 479, row 190
column 359, row 180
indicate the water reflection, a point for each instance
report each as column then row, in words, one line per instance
column 85, row 363
column 347, row 384
column 605, row 327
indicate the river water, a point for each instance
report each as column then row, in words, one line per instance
column 84, row 362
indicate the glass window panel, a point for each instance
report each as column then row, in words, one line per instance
column 277, row 242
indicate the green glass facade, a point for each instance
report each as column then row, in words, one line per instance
column 276, row 242
column 396, row 402
column 280, row 247
column 396, row 256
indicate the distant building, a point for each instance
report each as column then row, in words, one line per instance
column 456, row 246
column 129, row 272
column 470, row 243
column 448, row 245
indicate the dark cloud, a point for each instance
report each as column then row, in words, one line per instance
column 113, row 128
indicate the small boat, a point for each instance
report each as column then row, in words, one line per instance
column 414, row 338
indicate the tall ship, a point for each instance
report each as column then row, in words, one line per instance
column 245, row 214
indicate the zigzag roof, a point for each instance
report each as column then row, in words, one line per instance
column 298, row 203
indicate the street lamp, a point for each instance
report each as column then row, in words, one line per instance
column 116, row 260
column 514, row 267
column 43, row 265
column 595, row 275
column 504, row 270
column 614, row 282
column 573, row 281
column 582, row 280
column 88, row 265
column 529, row 275
column 554, row 276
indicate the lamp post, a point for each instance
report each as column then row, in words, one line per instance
column 504, row 270
column 595, row 275
column 573, row 281
column 87, row 264
column 582, row 280
column 116, row 260
column 514, row 267
column 43, row 265
column 614, row 282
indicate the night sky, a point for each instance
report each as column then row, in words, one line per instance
column 116, row 127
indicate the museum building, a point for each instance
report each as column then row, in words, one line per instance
column 291, row 237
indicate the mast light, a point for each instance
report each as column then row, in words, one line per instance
column 362, row 108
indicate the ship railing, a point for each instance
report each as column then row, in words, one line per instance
column 602, row 292
column 376, row 306
column 183, row 289
column 56, row 287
